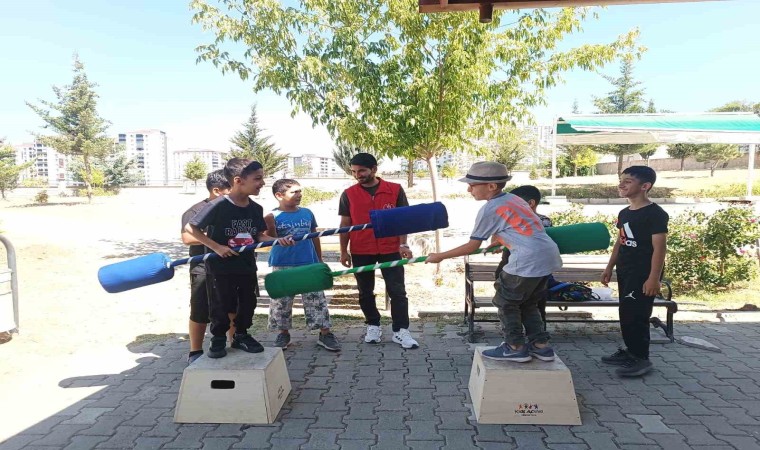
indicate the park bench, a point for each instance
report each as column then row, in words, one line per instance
column 576, row 268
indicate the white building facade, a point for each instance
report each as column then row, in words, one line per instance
column 49, row 164
column 148, row 149
column 213, row 159
column 315, row 166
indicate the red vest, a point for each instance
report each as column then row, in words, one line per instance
column 360, row 203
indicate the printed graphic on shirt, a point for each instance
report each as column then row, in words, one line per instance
column 239, row 232
column 626, row 236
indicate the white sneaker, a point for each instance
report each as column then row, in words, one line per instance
column 404, row 338
column 374, row 334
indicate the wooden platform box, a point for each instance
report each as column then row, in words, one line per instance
column 533, row 393
column 238, row 388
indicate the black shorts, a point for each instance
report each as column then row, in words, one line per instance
column 198, row 298
column 199, row 295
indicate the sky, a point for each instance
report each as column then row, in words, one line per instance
column 141, row 54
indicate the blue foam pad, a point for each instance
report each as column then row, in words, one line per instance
column 135, row 273
column 408, row 219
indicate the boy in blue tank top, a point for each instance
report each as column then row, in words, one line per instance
column 289, row 219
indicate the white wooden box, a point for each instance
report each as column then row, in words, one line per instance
column 238, row 388
column 533, row 393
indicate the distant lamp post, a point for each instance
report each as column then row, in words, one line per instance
column 486, row 12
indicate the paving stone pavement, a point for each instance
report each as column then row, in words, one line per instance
column 382, row 397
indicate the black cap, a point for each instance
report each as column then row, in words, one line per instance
column 364, row 160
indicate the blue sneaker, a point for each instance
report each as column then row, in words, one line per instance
column 544, row 354
column 506, row 353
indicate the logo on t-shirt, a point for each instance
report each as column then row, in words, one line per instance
column 240, row 239
column 626, row 236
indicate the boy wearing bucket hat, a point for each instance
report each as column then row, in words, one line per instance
column 522, row 282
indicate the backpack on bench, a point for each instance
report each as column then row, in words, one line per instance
column 571, row 292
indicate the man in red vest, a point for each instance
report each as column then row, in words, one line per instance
column 356, row 202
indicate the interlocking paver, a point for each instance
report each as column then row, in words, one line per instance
column 322, row 439
column 256, row 437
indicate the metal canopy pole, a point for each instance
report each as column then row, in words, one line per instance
column 751, row 168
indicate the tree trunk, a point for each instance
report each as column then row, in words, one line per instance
column 575, row 170
column 682, row 160
column 620, row 165
column 410, row 173
column 712, row 169
column 647, row 160
column 87, row 177
column 433, row 169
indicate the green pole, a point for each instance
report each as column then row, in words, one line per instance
column 401, row 262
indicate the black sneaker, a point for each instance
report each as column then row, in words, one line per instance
column 247, row 343
column 329, row 341
column 282, row 341
column 193, row 356
column 218, row 347
column 634, row 368
column 620, row 357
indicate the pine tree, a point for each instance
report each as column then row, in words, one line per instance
column 625, row 98
column 80, row 131
column 250, row 143
column 9, row 171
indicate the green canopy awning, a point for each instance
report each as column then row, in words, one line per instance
column 708, row 128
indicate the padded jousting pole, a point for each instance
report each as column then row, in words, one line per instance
column 158, row 267
column 318, row 277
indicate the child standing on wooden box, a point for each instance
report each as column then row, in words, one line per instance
column 523, row 282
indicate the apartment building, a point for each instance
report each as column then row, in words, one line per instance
column 148, row 148
column 49, row 164
column 213, row 159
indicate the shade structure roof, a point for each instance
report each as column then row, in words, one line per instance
column 426, row 6
column 707, row 128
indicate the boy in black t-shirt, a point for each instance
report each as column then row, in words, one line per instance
column 217, row 185
column 231, row 221
column 639, row 255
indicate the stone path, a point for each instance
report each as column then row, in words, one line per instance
column 381, row 397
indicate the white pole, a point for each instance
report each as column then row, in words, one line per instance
column 554, row 156
column 751, row 168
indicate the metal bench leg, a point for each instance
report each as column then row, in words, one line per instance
column 669, row 330
column 471, row 326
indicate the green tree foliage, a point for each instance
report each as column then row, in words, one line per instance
column 9, row 170
column 716, row 154
column 739, row 106
column 195, row 170
column 509, row 147
column 386, row 78
column 578, row 159
column 110, row 172
column 250, row 143
column 683, row 151
column 301, row 170
column 625, row 98
column 80, row 131
column 449, row 171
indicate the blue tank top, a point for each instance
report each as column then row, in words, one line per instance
column 293, row 223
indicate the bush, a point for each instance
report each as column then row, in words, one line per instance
column 96, row 192
column 35, row 182
column 533, row 174
column 41, row 197
column 313, row 195
column 712, row 252
column 602, row 191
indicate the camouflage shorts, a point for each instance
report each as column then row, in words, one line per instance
column 314, row 306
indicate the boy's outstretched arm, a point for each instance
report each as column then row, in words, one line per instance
column 652, row 285
column 607, row 274
column 462, row 250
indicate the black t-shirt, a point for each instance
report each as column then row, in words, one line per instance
column 344, row 209
column 195, row 250
column 231, row 225
column 636, row 229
